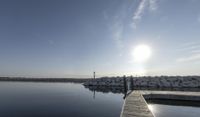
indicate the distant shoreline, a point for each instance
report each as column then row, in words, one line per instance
column 26, row 79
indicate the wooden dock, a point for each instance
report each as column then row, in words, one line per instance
column 172, row 95
column 135, row 106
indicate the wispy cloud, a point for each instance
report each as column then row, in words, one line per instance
column 195, row 57
column 117, row 25
column 143, row 5
column 124, row 11
column 191, row 51
column 188, row 44
column 189, row 47
column 117, row 34
column 195, row 51
column 153, row 5
column 140, row 10
column 138, row 13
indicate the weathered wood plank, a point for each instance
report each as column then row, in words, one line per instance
column 135, row 106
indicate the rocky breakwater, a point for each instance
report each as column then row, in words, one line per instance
column 168, row 82
column 148, row 81
column 106, row 81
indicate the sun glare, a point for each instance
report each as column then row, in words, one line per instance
column 141, row 53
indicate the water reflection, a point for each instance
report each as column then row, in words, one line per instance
column 94, row 94
column 106, row 89
column 174, row 108
column 24, row 99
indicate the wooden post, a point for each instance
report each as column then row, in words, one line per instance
column 125, row 86
column 132, row 85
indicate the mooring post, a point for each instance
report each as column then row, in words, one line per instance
column 132, row 85
column 125, row 84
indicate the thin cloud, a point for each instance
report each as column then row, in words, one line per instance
column 140, row 10
column 139, row 13
column 189, row 44
column 117, row 34
column 117, row 27
column 143, row 5
column 195, row 57
column 189, row 47
column 195, row 51
column 153, row 5
column 191, row 51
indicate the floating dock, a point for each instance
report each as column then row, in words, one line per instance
column 136, row 106
column 172, row 95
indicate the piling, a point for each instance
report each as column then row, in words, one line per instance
column 132, row 85
column 125, row 84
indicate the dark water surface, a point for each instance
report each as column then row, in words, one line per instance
column 25, row 99
column 175, row 108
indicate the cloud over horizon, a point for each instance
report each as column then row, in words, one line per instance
column 150, row 5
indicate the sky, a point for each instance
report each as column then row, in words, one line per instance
column 73, row 38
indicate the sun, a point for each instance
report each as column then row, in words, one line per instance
column 141, row 53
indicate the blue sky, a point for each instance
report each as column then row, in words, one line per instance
column 73, row 38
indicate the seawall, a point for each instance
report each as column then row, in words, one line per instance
column 154, row 82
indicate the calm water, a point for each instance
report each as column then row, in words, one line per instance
column 180, row 109
column 23, row 99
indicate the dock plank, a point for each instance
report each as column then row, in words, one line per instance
column 135, row 106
